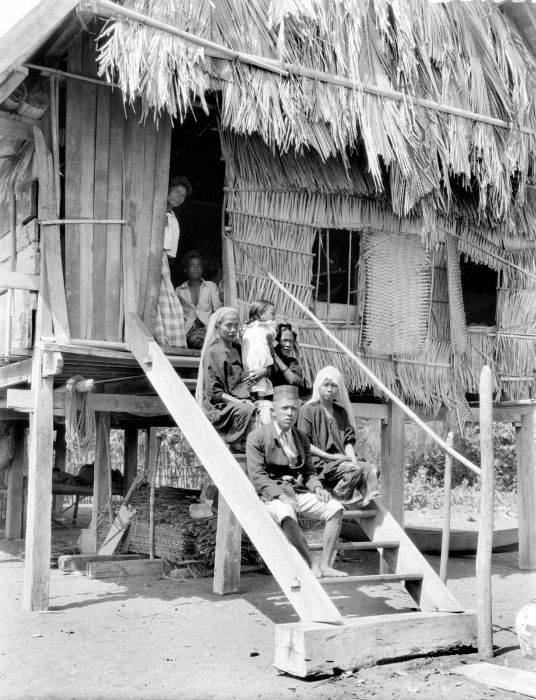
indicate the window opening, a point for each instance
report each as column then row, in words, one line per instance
column 479, row 289
column 335, row 276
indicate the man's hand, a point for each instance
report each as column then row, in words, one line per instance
column 322, row 494
column 289, row 500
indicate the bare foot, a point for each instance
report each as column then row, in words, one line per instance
column 316, row 570
column 334, row 573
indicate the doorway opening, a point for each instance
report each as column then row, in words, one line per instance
column 196, row 155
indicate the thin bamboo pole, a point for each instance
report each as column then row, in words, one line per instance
column 328, row 278
column 376, row 380
column 445, row 540
column 485, row 533
column 106, row 8
column 12, row 266
column 45, row 70
column 349, row 278
column 54, row 102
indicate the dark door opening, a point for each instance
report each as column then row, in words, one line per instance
column 479, row 289
column 196, row 155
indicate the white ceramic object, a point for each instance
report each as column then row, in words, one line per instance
column 526, row 630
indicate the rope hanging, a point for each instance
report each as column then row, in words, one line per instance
column 80, row 427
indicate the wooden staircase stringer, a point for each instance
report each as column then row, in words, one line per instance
column 433, row 594
column 291, row 572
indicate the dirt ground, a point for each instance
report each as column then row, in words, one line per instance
column 159, row 638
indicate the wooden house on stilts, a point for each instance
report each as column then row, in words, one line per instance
column 376, row 158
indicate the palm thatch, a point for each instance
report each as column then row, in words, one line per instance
column 465, row 55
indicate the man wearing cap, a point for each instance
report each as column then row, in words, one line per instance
column 281, row 470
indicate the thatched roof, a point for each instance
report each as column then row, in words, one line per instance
column 465, row 55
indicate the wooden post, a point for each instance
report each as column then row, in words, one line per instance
column 100, row 475
column 445, row 540
column 39, row 508
column 526, row 491
column 229, row 268
column 392, row 461
column 485, row 534
column 228, row 547
column 130, row 457
column 152, row 464
column 15, row 482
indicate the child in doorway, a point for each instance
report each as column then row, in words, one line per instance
column 258, row 336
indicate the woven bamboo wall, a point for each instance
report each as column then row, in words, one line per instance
column 276, row 205
column 115, row 168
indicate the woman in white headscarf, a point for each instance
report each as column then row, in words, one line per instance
column 223, row 388
column 328, row 422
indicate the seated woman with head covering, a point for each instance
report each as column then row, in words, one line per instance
column 328, row 422
column 223, row 388
column 286, row 368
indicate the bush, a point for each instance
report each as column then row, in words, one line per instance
column 431, row 467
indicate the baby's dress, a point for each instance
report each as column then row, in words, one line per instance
column 256, row 351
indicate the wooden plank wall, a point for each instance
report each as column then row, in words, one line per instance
column 116, row 167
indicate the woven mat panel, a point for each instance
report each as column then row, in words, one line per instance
column 481, row 350
column 516, row 362
column 458, row 326
column 398, row 290
column 516, row 310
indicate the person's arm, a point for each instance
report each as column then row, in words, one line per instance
column 349, row 438
column 290, row 376
column 256, row 466
column 310, row 477
column 214, row 386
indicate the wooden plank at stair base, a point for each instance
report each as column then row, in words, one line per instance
column 228, row 547
column 526, row 491
column 117, row 530
column 68, row 563
column 514, row 680
column 434, row 595
column 305, row 648
column 392, row 461
column 291, row 572
column 134, row 567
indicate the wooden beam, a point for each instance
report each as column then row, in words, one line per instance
column 371, row 411
column 39, row 502
column 21, row 400
column 18, row 280
column 15, row 485
column 392, row 461
column 513, row 680
column 34, row 25
column 305, row 648
column 122, row 569
column 68, row 563
column 11, row 80
column 130, row 457
column 291, row 572
column 228, row 547
column 16, row 373
column 526, row 491
column 13, row 126
column 100, row 475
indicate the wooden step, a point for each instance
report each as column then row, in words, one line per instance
column 371, row 578
column 356, row 514
column 346, row 546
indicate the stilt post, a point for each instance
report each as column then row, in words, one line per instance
column 392, row 461
column 526, row 491
column 485, row 534
column 15, row 484
column 445, row 540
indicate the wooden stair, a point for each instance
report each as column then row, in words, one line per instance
column 323, row 640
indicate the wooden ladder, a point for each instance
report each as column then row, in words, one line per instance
column 323, row 640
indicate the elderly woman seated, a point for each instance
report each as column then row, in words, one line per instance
column 328, row 422
column 223, row 387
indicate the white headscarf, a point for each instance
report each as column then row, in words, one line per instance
column 333, row 374
column 210, row 337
